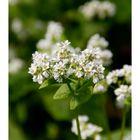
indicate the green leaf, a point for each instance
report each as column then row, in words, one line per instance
column 62, row 93
column 73, row 103
column 44, row 84
column 81, row 96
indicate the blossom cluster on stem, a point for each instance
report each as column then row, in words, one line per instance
column 97, row 41
column 67, row 63
column 87, row 129
column 100, row 9
column 122, row 79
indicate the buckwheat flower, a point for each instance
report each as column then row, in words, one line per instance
column 17, row 25
column 89, row 9
column 44, row 44
column 66, row 62
column 13, row 2
column 100, row 9
column 64, row 50
column 52, row 36
column 127, row 137
column 89, row 55
column 106, row 9
column 97, row 41
column 100, row 87
column 54, row 29
column 15, row 65
column 106, row 57
column 40, row 68
column 87, row 129
column 112, row 77
column 125, row 72
column 123, row 93
column 59, row 71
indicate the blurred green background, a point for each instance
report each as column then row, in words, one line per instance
column 33, row 114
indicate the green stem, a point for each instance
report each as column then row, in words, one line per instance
column 108, row 131
column 109, row 137
column 123, row 124
column 77, row 120
column 69, row 86
column 78, row 128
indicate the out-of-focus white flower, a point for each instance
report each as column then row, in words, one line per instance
column 127, row 137
column 96, row 41
column 52, row 36
column 100, row 9
column 87, row 129
column 15, row 65
column 106, row 9
column 13, row 2
column 54, row 30
column 106, row 57
column 122, row 79
column 125, row 72
column 100, row 87
column 17, row 26
column 123, row 92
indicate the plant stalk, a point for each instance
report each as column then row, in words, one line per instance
column 123, row 124
column 78, row 128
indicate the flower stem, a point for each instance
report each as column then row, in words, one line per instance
column 123, row 124
column 77, row 120
column 78, row 128
column 109, row 137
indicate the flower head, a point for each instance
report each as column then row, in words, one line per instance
column 100, row 9
column 66, row 62
column 87, row 129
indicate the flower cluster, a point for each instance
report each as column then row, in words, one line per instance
column 123, row 93
column 96, row 41
column 15, row 64
column 125, row 72
column 98, row 9
column 66, row 62
column 121, row 78
column 87, row 129
column 53, row 35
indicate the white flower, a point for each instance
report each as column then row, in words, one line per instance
column 13, row 2
column 15, row 65
column 127, row 137
column 106, row 9
column 97, row 41
column 40, row 67
column 53, row 34
column 106, row 57
column 123, row 92
column 125, row 72
column 100, row 87
column 87, row 129
column 54, row 29
column 100, row 9
column 17, row 25
column 66, row 62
